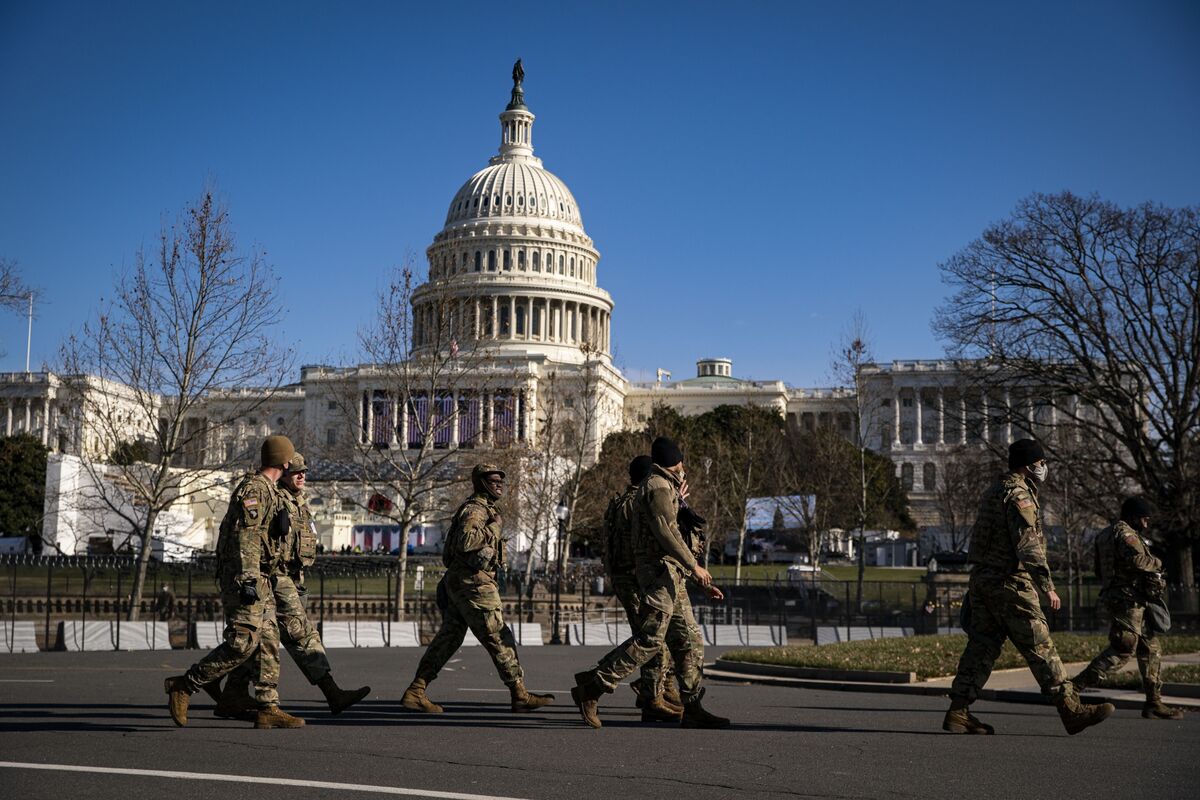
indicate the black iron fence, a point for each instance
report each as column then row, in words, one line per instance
column 83, row 603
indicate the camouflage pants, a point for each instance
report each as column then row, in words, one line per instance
column 251, row 634
column 1007, row 608
column 666, row 618
column 1127, row 635
column 656, row 672
column 297, row 634
column 473, row 604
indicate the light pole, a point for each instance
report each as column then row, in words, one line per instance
column 562, row 512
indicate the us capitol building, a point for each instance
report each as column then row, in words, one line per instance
column 513, row 270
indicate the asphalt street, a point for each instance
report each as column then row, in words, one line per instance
column 93, row 715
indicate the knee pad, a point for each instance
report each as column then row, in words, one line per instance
column 1123, row 641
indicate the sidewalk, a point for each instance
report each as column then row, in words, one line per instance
column 1005, row 685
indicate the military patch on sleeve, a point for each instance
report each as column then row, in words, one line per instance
column 1131, row 539
column 1024, row 502
column 250, row 502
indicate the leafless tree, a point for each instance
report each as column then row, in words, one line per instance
column 1100, row 306
column 418, row 403
column 963, row 477
column 194, row 320
column 15, row 294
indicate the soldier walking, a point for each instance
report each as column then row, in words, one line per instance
column 663, row 564
column 657, row 696
column 249, row 547
column 470, row 598
column 1132, row 579
column 296, row 632
column 1009, row 568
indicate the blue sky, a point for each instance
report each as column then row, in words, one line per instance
column 753, row 173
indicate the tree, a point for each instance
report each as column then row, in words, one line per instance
column 965, row 474
column 22, row 486
column 192, row 322
column 427, row 371
column 1097, row 309
column 15, row 294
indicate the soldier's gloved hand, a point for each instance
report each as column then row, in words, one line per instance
column 1156, row 587
column 248, row 593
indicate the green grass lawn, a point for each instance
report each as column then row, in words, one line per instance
column 929, row 656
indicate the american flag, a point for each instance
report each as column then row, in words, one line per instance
column 453, row 348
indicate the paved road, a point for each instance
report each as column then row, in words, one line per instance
column 107, row 711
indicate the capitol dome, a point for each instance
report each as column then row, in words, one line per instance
column 512, row 267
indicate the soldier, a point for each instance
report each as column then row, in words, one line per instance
column 248, row 549
column 657, row 676
column 296, row 631
column 1008, row 558
column 470, row 598
column 663, row 563
column 1132, row 577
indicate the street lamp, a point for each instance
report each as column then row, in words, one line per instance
column 562, row 512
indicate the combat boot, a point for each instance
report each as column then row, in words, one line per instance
column 670, row 695
column 1077, row 717
column 586, row 694
column 694, row 715
column 276, row 717
column 656, row 710
column 525, row 700
column 235, row 705
column 641, row 702
column 340, row 699
column 959, row 719
column 414, row 698
column 178, row 697
column 1156, row 709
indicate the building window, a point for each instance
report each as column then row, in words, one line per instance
column 478, row 261
column 560, row 265
column 331, row 436
column 929, row 476
column 507, row 260
column 521, row 260
column 331, row 405
column 491, row 260
column 906, row 477
column 906, row 402
column 537, row 263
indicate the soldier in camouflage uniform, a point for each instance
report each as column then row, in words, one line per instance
column 249, row 548
column 296, row 632
column 1132, row 576
column 473, row 553
column 1008, row 558
column 664, row 562
column 657, row 676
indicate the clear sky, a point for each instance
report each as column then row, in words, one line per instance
column 752, row 173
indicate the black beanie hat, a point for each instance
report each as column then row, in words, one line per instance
column 1136, row 508
column 639, row 468
column 1024, row 452
column 665, row 453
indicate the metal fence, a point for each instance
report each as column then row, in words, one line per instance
column 83, row 603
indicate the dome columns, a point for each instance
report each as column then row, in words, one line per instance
column 514, row 318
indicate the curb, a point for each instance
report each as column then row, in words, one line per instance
column 733, row 671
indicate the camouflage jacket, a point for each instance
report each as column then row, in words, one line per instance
column 1125, row 564
column 1007, row 539
column 300, row 547
column 618, row 533
column 475, row 543
column 249, row 544
column 656, row 536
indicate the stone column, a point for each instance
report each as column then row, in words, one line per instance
column 454, row 421
column 8, row 415
column 919, row 439
column 987, row 422
column 529, row 319
column 487, row 437
column 28, row 416
column 45, row 423
column 370, row 417
column 495, row 326
column 1008, row 437
column 941, row 395
column 475, row 322
column 962, row 412
column 393, row 421
column 404, row 424
column 512, row 317
column 896, row 420
column 361, row 419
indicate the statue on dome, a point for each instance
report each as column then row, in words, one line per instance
column 518, row 74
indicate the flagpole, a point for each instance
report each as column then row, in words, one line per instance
column 29, row 333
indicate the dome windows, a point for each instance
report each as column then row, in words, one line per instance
column 491, row 260
column 478, row 261
column 521, row 260
column 537, row 262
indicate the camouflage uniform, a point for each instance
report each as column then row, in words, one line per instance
column 296, row 632
column 1131, row 576
column 473, row 553
column 1008, row 554
column 620, row 564
column 663, row 562
column 249, row 550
